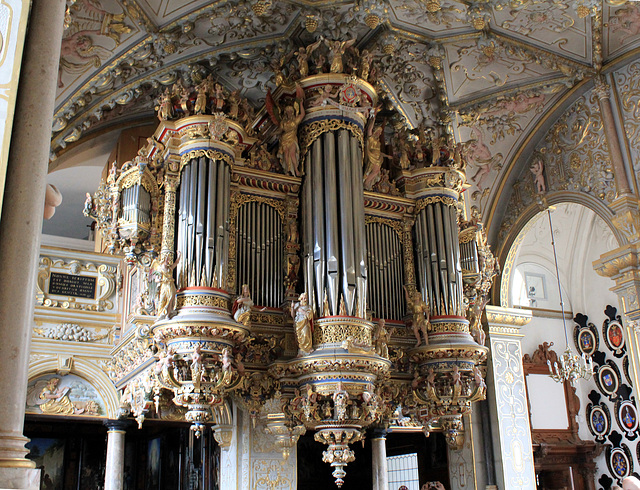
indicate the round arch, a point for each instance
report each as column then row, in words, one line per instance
column 88, row 371
column 508, row 249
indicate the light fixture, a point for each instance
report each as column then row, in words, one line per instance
column 572, row 366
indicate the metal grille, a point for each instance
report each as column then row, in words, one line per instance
column 403, row 470
column 385, row 266
column 260, row 253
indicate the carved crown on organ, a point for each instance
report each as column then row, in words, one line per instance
column 320, row 220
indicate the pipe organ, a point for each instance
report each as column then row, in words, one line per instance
column 385, row 263
column 260, row 253
column 202, row 222
column 259, row 235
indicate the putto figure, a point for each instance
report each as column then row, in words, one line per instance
column 289, row 150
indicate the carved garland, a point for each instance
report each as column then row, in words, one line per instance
column 312, row 131
column 211, row 154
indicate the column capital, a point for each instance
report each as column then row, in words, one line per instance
column 117, row 425
column 601, row 87
column 507, row 321
column 379, row 433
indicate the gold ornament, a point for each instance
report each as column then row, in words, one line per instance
column 372, row 20
column 433, row 6
column 583, row 11
column 311, row 23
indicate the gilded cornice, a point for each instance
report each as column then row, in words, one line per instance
column 507, row 321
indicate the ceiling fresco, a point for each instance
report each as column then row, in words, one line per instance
column 493, row 70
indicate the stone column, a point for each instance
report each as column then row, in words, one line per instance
column 21, row 223
column 114, row 470
column 379, row 459
column 507, row 397
column 611, row 133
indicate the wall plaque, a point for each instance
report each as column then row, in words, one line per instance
column 69, row 285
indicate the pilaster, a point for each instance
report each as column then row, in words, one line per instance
column 462, row 463
column 506, row 394
column 20, row 227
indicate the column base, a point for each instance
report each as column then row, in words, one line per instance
column 20, row 478
column 13, row 452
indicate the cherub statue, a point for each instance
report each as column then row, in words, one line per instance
column 302, row 315
column 537, row 169
column 165, row 106
column 337, row 49
column 420, row 311
column 89, row 207
column 163, row 269
column 289, row 150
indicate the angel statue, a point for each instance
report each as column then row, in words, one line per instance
column 373, row 153
column 337, row 50
column 303, row 57
column 289, row 150
column 162, row 268
column 302, row 315
column 420, row 311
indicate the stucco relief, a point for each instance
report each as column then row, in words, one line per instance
column 492, row 132
column 413, row 13
column 627, row 82
column 485, row 63
column 575, row 158
column 559, row 30
column 513, row 419
column 624, row 26
column 96, row 30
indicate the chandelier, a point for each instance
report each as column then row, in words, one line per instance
column 572, row 366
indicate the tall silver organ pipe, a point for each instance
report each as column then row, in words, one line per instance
column 202, row 216
column 260, row 253
column 469, row 253
column 385, row 265
column 438, row 258
column 335, row 260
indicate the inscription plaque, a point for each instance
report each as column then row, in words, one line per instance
column 69, row 285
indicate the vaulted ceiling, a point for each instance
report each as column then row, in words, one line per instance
column 497, row 69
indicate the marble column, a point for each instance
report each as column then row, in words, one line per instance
column 379, row 459
column 21, row 224
column 114, row 469
column 507, row 398
column 611, row 134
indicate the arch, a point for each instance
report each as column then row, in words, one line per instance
column 86, row 370
column 508, row 249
